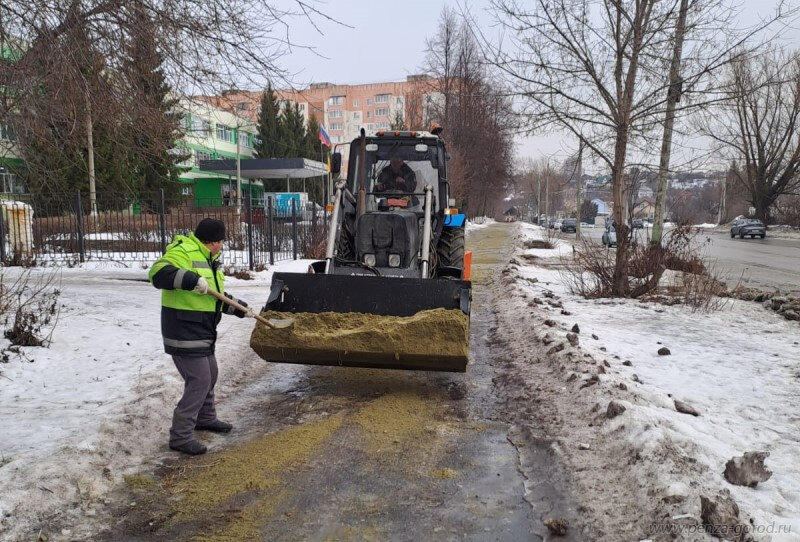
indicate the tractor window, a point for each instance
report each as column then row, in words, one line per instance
column 419, row 163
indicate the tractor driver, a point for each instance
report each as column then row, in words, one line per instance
column 397, row 176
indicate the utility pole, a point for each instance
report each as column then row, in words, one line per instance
column 539, row 200
column 579, row 190
column 673, row 96
column 547, row 197
column 239, row 173
column 723, row 212
column 90, row 157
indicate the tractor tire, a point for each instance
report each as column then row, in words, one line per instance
column 345, row 244
column 450, row 249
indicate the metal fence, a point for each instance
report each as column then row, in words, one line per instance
column 63, row 229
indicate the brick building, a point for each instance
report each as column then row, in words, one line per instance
column 345, row 109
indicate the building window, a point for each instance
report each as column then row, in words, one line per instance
column 243, row 106
column 355, row 103
column 369, row 101
column 11, row 183
column 382, row 112
column 370, row 127
column 224, row 133
column 383, row 125
column 382, row 98
column 228, row 193
column 336, row 100
column 336, row 126
column 335, row 114
column 244, row 139
column 302, row 107
column 200, row 155
column 369, row 114
column 186, row 190
column 200, row 127
column 399, row 100
column 7, row 132
column 357, row 115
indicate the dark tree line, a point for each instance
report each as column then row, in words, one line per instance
column 283, row 133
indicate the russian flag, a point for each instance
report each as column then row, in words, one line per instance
column 323, row 136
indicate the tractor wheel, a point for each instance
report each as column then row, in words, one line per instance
column 451, row 248
column 345, row 245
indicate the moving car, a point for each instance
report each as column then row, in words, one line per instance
column 569, row 225
column 748, row 226
column 610, row 236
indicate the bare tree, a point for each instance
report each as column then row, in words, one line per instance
column 760, row 124
column 598, row 70
column 473, row 109
column 66, row 80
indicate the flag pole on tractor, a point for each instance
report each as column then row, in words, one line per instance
column 324, row 140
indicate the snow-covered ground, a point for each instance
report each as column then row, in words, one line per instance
column 739, row 367
column 478, row 223
column 98, row 402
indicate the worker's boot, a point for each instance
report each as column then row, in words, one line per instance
column 192, row 448
column 216, row 426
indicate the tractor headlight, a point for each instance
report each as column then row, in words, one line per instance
column 369, row 259
column 394, row 260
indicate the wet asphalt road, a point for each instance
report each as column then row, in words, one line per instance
column 769, row 263
column 337, row 453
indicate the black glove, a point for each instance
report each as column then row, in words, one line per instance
column 235, row 312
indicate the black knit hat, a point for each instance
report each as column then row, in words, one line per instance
column 210, row 230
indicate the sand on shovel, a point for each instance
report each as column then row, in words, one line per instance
column 418, row 341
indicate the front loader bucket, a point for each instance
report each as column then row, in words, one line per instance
column 367, row 321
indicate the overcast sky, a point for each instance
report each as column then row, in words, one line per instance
column 387, row 43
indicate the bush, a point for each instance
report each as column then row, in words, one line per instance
column 591, row 272
column 29, row 308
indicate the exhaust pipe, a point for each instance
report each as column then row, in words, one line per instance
column 334, row 230
column 426, row 231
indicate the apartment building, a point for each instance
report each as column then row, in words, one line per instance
column 212, row 134
column 345, row 109
column 10, row 183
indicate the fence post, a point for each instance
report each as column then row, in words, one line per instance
column 269, row 232
column 79, row 210
column 294, row 229
column 250, row 227
column 2, row 241
column 162, row 218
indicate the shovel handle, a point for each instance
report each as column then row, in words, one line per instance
column 238, row 306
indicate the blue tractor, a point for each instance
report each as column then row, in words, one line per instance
column 395, row 248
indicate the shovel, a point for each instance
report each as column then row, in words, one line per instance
column 272, row 323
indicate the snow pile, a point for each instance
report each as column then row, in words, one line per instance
column 100, row 399
column 704, row 226
column 477, row 223
column 532, row 232
column 738, row 367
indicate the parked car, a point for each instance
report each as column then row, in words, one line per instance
column 637, row 224
column 748, row 226
column 557, row 224
column 610, row 236
column 569, row 225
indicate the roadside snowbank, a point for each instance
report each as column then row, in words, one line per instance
column 738, row 367
column 478, row 223
column 98, row 402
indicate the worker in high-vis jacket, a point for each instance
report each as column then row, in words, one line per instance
column 189, row 317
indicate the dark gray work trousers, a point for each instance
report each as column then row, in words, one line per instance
column 196, row 407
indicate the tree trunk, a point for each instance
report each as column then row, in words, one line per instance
column 620, row 286
column 673, row 95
